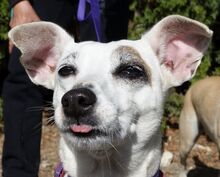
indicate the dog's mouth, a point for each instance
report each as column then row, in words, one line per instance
column 90, row 136
column 84, row 131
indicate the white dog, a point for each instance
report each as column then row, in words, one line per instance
column 108, row 98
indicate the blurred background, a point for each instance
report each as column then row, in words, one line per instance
column 143, row 14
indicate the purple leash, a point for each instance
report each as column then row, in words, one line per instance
column 94, row 14
column 59, row 172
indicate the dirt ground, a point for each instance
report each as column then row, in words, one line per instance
column 203, row 162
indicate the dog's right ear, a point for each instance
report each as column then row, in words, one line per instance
column 41, row 45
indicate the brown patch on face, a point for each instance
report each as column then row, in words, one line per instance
column 130, row 54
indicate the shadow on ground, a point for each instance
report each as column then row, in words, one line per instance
column 202, row 170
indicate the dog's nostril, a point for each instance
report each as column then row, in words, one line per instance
column 86, row 99
column 65, row 102
column 83, row 101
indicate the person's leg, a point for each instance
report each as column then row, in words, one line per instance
column 22, row 123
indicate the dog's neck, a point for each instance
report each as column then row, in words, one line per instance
column 129, row 160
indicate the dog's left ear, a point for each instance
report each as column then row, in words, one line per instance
column 41, row 45
column 179, row 44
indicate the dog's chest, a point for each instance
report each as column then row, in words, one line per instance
column 59, row 172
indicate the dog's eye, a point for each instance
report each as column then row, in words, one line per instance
column 66, row 71
column 131, row 72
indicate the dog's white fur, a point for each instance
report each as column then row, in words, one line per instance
column 128, row 110
column 201, row 107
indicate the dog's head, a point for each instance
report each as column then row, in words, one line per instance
column 104, row 93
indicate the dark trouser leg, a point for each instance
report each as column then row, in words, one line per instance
column 116, row 17
column 22, row 125
column 21, row 151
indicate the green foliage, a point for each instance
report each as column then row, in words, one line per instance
column 147, row 13
column 3, row 25
column 216, row 71
column 4, row 18
column 203, row 69
column 174, row 104
column 163, row 125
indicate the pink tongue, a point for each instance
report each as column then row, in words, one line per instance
column 81, row 128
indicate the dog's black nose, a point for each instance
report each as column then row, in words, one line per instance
column 78, row 102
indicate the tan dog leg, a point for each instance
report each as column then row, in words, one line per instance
column 189, row 128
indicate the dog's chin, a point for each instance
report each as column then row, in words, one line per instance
column 91, row 139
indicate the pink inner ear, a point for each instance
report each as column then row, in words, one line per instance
column 47, row 55
column 42, row 63
column 182, row 56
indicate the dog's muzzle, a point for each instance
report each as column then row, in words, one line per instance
column 78, row 105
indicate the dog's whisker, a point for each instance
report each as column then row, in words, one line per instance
column 112, row 136
column 48, row 105
column 116, row 150
column 120, row 165
column 117, row 131
column 35, row 108
column 109, row 163
column 40, row 108
column 51, row 118
column 102, row 167
column 50, row 121
column 49, row 110
column 36, row 129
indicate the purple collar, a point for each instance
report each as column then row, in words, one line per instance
column 159, row 174
column 59, row 172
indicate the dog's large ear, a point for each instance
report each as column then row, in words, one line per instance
column 179, row 44
column 41, row 45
